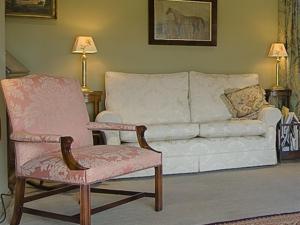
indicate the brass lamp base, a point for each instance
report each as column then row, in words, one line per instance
column 85, row 89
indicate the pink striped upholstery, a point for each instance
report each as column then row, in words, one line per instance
column 104, row 162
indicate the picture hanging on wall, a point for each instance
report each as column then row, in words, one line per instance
column 183, row 22
column 31, row 8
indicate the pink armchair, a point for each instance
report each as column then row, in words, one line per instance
column 47, row 116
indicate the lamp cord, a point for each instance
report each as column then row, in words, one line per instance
column 3, row 214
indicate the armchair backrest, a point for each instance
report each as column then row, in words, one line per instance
column 46, row 105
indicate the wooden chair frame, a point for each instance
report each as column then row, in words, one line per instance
column 84, row 217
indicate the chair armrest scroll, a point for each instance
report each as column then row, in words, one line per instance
column 68, row 158
column 110, row 126
column 140, row 132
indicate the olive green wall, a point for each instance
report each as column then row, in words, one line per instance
column 120, row 27
column 3, row 174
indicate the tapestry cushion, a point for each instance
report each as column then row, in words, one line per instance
column 233, row 128
column 164, row 132
column 245, row 102
column 103, row 161
column 148, row 98
column 205, row 91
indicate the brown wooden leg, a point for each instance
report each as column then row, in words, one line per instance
column 158, row 188
column 19, row 200
column 85, row 205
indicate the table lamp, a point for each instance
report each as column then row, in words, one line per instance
column 84, row 45
column 277, row 51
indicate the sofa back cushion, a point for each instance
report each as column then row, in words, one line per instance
column 148, row 98
column 206, row 89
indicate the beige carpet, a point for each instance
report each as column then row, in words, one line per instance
column 193, row 199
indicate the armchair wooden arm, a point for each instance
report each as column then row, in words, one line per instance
column 140, row 131
column 65, row 143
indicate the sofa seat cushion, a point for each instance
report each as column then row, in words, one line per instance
column 164, row 132
column 233, row 128
column 148, row 98
column 206, row 89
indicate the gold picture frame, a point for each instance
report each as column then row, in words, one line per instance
column 31, row 8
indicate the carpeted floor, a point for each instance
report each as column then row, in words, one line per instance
column 193, row 199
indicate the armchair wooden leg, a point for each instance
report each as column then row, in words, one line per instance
column 158, row 188
column 85, row 205
column 19, row 201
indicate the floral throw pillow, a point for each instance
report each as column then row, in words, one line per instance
column 246, row 102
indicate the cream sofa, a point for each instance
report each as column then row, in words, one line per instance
column 188, row 122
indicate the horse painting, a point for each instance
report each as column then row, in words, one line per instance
column 185, row 27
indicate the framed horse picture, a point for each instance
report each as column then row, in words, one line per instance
column 183, row 22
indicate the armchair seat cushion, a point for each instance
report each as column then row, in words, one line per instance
column 233, row 128
column 164, row 132
column 103, row 161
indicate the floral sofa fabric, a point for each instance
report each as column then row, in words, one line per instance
column 188, row 121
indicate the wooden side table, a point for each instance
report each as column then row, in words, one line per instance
column 282, row 97
column 95, row 98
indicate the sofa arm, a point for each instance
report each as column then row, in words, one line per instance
column 108, row 116
column 112, row 137
column 270, row 115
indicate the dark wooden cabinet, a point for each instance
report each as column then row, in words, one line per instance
column 93, row 97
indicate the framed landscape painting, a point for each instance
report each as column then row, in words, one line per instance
column 31, row 8
column 183, row 22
